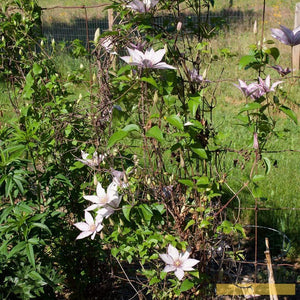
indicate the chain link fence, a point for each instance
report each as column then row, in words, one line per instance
column 70, row 23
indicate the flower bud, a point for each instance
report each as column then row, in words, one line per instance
column 53, row 43
column 42, row 44
column 255, row 27
column 95, row 180
column 155, row 97
column 81, row 67
column 179, row 25
column 97, row 35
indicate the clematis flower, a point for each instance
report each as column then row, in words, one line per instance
column 265, row 85
column 90, row 227
column 104, row 199
column 94, row 161
column 107, row 44
column 142, row 6
column 178, row 262
column 119, row 178
column 149, row 59
column 251, row 90
column 281, row 70
column 196, row 77
column 287, row 36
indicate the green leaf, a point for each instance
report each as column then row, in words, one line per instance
column 267, row 163
column 175, row 121
column 186, row 285
column 291, row 114
column 131, row 127
column 198, row 149
column 246, row 61
column 41, row 225
column 156, row 133
column 186, row 182
column 258, row 177
column 30, row 254
column 154, row 280
column 203, row 180
column 114, row 252
column 273, row 52
column 146, row 212
column 251, row 106
column 18, row 248
column 37, row 69
column 126, row 211
column 150, row 80
column 190, row 223
column 204, row 223
column 116, row 137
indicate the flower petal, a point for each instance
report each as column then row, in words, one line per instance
column 280, row 36
column 169, row 268
column 100, row 190
column 89, row 218
column 82, row 226
column 157, row 56
column 173, row 252
column 179, row 273
column 167, row 259
column 92, row 207
column 92, row 198
column 84, row 234
column 163, row 65
column 288, row 33
column 184, row 256
column 188, row 264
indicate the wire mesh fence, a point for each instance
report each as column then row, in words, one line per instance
column 80, row 22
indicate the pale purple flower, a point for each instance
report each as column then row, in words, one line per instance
column 265, row 85
column 91, row 162
column 149, row 59
column 119, row 178
column 90, row 227
column 138, row 46
column 287, row 36
column 196, row 77
column 178, row 262
column 281, row 70
column 107, row 44
column 248, row 90
column 142, row 6
column 102, row 199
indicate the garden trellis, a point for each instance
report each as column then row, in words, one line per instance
column 155, row 161
column 82, row 25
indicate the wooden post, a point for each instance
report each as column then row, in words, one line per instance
column 272, row 288
column 296, row 49
column 110, row 19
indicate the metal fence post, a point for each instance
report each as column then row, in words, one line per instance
column 296, row 49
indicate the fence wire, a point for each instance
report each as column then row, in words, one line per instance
column 67, row 23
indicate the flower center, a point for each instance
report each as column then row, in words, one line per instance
column 93, row 227
column 104, row 199
column 177, row 263
column 147, row 63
